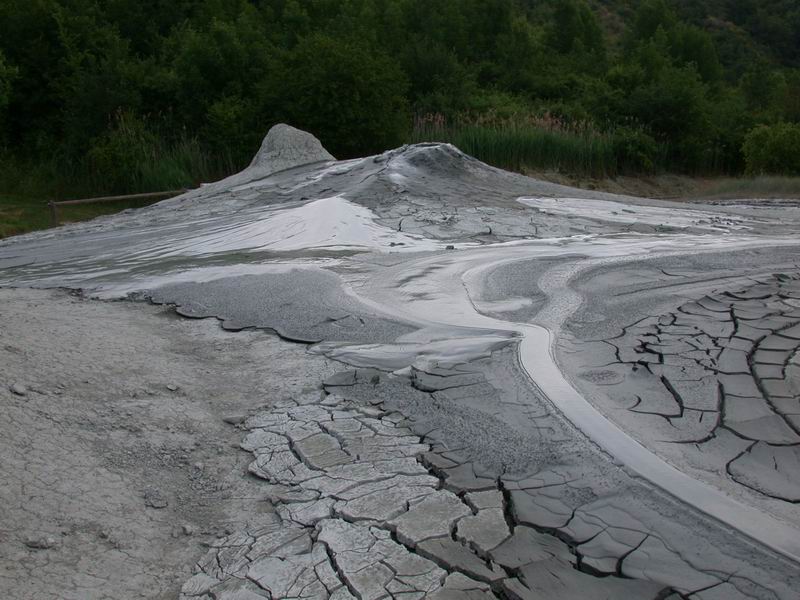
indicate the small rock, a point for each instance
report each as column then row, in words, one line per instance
column 450, row 247
column 154, row 498
column 188, row 529
column 40, row 543
column 234, row 419
column 18, row 389
column 172, row 387
column 199, row 466
column 104, row 535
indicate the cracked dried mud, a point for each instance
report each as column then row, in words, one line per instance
column 406, row 376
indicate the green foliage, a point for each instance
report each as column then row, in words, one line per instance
column 7, row 76
column 131, row 156
column 184, row 90
column 440, row 82
column 651, row 16
column 352, row 99
column 773, row 149
column 673, row 105
column 122, row 152
column 575, row 28
column 128, row 156
column 635, row 150
column 546, row 143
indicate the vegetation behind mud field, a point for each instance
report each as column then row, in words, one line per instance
column 119, row 96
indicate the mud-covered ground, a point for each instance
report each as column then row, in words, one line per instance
column 120, row 442
column 404, row 376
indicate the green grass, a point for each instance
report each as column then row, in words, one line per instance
column 22, row 214
column 128, row 164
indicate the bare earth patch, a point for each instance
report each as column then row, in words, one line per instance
column 119, row 469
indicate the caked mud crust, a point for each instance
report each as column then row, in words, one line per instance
column 539, row 391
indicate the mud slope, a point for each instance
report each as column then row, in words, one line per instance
column 505, row 389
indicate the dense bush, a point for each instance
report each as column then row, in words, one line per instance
column 773, row 149
column 635, row 151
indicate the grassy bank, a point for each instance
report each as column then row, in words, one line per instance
column 125, row 166
column 129, row 160
column 22, row 214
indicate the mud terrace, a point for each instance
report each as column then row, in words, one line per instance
column 404, row 376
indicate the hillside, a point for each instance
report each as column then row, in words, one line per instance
column 123, row 96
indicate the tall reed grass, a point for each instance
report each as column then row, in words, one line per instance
column 129, row 158
column 545, row 143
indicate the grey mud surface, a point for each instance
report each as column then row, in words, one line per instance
column 482, row 386
column 118, row 467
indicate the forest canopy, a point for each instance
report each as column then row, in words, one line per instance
column 121, row 94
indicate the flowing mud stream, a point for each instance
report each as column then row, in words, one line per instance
column 448, row 284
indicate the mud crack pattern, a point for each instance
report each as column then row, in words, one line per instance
column 723, row 373
column 363, row 509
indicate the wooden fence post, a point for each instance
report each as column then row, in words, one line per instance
column 53, row 213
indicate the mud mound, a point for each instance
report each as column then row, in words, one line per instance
column 440, row 161
column 435, row 157
column 285, row 147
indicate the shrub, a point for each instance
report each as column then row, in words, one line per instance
column 635, row 150
column 773, row 149
column 131, row 157
column 117, row 156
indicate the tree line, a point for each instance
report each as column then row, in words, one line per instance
column 96, row 93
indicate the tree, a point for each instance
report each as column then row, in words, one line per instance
column 7, row 76
column 773, row 149
column 651, row 16
column 439, row 82
column 575, row 28
column 692, row 46
column 351, row 96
